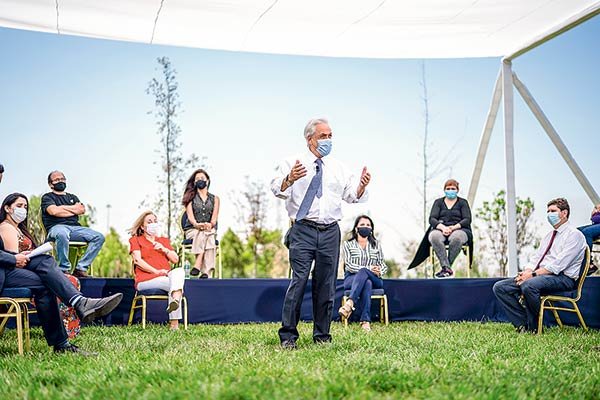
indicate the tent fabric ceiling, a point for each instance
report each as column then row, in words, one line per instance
column 333, row 28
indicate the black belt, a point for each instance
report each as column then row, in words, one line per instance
column 316, row 225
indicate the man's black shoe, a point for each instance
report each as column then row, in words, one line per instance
column 71, row 348
column 322, row 340
column 90, row 309
column 289, row 345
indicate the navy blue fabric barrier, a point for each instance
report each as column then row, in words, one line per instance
column 260, row 300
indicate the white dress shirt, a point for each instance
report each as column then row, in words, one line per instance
column 565, row 255
column 338, row 185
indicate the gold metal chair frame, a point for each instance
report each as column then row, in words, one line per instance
column 384, row 316
column 464, row 249
column 547, row 301
column 18, row 309
column 143, row 299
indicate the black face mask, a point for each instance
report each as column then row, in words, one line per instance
column 60, row 186
column 201, row 184
column 364, row 231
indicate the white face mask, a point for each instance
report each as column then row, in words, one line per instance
column 153, row 228
column 19, row 214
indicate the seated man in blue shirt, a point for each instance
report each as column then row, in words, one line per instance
column 60, row 215
column 554, row 268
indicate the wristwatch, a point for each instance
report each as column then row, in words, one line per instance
column 533, row 274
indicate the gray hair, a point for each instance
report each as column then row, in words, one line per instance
column 309, row 129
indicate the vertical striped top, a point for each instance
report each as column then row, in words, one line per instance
column 355, row 257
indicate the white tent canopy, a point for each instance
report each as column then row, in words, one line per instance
column 342, row 28
column 337, row 28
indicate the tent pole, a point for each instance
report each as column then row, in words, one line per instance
column 509, row 156
column 566, row 25
column 485, row 138
column 556, row 140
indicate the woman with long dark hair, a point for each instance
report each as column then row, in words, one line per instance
column 364, row 265
column 42, row 276
column 202, row 211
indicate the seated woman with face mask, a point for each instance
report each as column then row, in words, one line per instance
column 364, row 266
column 202, row 211
column 41, row 275
column 152, row 258
column 450, row 223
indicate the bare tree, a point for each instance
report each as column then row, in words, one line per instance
column 444, row 163
column 167, row 108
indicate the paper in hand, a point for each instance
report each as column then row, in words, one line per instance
column 43, row 249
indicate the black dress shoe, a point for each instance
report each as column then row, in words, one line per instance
column 320, row 340
column 289, row 345
column 90, row 309
column 79, row 273
column 71, row 348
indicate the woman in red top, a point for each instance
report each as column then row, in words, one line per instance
column 152, row 258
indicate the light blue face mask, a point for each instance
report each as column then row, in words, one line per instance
column 553, row 218
column 451, row 193
column 324, row 147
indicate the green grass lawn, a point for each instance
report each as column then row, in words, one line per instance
column 404, row 360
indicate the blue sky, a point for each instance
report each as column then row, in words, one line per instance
column 79, row 105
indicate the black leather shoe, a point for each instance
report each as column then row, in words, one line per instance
column 289, row 345
column 71, row 348
column 320, row 340
column 90, row 309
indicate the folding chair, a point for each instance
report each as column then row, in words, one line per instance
column 16, row 301
column 376, row 294
column 465, row 250
column 144, row 296
column 548, row 301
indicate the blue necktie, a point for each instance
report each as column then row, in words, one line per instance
column 315, row 188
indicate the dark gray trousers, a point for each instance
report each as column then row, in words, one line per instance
column 307, row 244
column 46, row 282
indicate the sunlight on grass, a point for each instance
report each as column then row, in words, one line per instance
column 404, row 360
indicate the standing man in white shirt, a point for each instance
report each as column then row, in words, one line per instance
column 313, row 186
column 554, row 268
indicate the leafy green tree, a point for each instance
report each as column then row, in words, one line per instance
column 494, row 231
column 113, row 261
column 235, row 255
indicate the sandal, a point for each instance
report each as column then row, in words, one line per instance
column 366, row 326
column 173, row 305
column 346, row 310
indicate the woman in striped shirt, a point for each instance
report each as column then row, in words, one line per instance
column 364, row 266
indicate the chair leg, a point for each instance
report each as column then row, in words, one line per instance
column 185, row 312
column 580, row 317
column 143, row 312
column 386, row 309
column 556, row 316
column 343, row 319
column 132, row 312
column 541, row 317
column 26, row 327
column 220, row 262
